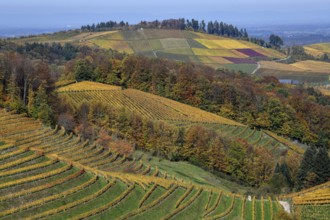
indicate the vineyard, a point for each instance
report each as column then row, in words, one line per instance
column 46, row 173
column 178, row 45
column 312, row 203
column 145, row 104
column 158, row 108
column 303, row 71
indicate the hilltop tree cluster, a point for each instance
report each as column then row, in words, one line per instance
column 212, row 27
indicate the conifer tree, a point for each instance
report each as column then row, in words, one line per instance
column 306, row 167
column 322, row 166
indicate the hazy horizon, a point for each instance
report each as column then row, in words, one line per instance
column 74, row 13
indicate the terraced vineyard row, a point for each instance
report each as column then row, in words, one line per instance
column 275, row 144
column 30, row 134
column 145, row 104
column 58, row 190
column 157, row 108
column 312, row 203
column 47, row 173
column 42, row 167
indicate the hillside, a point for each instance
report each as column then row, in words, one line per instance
column 158, row 108
column 47, row 173
column 28, row 133
column 145, row 104
column 312, row 203
column 187, row 46
column 55, row 189
column 318, row 50
column 203, row 138
column 43, row 175
column 39, row 161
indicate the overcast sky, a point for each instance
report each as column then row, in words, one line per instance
column 61, row 13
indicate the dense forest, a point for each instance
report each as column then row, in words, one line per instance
column 27, row 81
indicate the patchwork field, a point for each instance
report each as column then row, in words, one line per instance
column 168, row 44
column 304, row 71
column 313, row 66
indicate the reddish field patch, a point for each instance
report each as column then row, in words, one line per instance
column 240, row 60
column 250, row 53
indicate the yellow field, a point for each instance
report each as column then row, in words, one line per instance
column 86, row 85
column 208, row 36
column 146, row 104
column 279, row 66
column 92, row 35
column 314, row 52
column 121, row 46
column 318, row 49
column 269, row 52
column 210, row 44
column 313, row 66
column 220, row 53
column 220, row 60
column 324, row 91
column 223, row 44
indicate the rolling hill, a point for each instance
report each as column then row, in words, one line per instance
column 162, row 109
column 318, row 50
column 187, row 46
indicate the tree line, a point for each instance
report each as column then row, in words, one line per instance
column 212, row 27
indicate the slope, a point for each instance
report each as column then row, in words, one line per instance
column 37, row 185
column 318, row 50
column 187, row 46
column 311, row 203
column 157, row 108
column 43, row 175
column 30, row 134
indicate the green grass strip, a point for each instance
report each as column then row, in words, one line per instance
column 48, row 199
column 75, row 203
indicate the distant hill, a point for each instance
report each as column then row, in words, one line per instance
column 187, row 46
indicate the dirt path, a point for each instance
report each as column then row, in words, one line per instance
column 258, row 67
column 286, row 206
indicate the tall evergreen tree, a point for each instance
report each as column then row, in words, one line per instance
column 321, row 166
column 306, row 166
